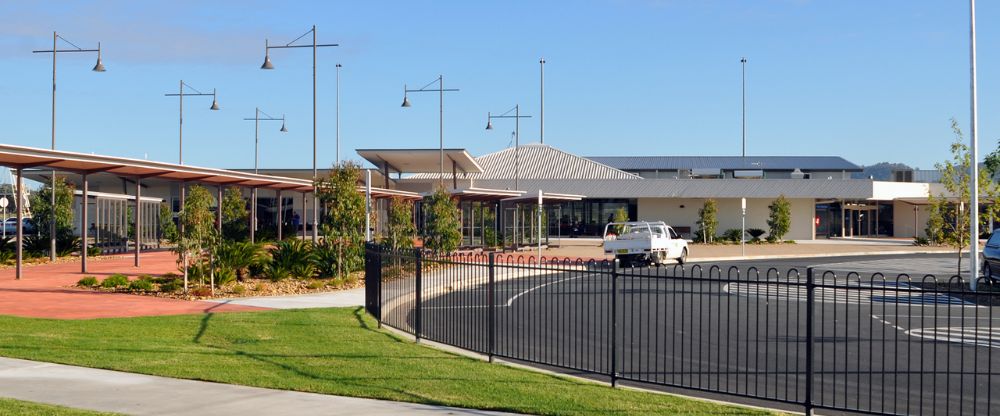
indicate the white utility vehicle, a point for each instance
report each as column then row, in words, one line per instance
column 644, row 242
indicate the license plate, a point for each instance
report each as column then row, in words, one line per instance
column 623, row 251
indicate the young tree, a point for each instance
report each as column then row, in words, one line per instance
column 953, row 219
column 621, row 215
column 780, row 218
column 344, row 221
column 400, row 227
column 443, row 230
column 708, row 221
column 235, row 219
column 199, row 237
column 168, row 229
column 41, row 207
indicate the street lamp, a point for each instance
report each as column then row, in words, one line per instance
column 180, row 124
column 440, row 90
column 517, row 135
column 99, row 67
column 268, row 65
column 256, row 145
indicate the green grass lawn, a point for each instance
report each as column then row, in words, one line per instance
column 17, row 407
column 333, row 351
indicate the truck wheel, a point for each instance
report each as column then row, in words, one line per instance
column 684, row 257
column 659, row 258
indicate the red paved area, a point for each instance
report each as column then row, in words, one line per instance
column 44, row 291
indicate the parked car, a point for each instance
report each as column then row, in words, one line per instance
column 10, row 226
column 643, row 242
column 991, row 256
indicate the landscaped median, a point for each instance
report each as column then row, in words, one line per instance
column 332, row 351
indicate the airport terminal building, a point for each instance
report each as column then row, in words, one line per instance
column 499, row 190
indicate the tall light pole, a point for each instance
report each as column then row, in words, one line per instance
column 180, row 121
column 974, row 148
column 338, row 114
column 440, row 90
column 267, row 65
column 99, row 67
column 743, row 62
column 517, row 137
column 256, row 158
column 541, row 113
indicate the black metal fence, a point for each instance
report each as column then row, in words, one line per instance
column 821, row 339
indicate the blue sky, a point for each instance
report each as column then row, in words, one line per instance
column 868, row 80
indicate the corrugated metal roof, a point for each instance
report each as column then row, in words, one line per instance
column 539, row 161
column 697, row 188
column 804, row 163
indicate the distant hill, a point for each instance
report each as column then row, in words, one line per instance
column 880, row 171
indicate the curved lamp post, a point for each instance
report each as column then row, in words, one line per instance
column 268, row 65
column 99, row 67
column 440, row 90
column 256, row 145
column 517, row 135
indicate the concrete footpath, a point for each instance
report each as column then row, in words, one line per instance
column 137, row 394
column 337, row 299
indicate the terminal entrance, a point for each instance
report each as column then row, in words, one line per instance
column 854, row 219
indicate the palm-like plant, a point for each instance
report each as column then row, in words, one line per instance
column 238, row 257
column 294, row 255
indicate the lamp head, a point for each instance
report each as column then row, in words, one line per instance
column 100, row 66
column 406, row 101
column 283, row 129
column 489, row 121
column 267, row 62
column 215, row 105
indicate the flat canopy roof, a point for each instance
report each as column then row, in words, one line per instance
column 546, row 196
column 381, row 193
column 482, row 194
column 421, row 160
column 20, row 157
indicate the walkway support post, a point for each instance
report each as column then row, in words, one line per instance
column 218, row 213
column 304, row 215
column 138, row 219
column 253, row 214
column 84, row 226
column 20, row 223
column 280, row 209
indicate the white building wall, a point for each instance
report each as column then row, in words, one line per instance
column 680, row 212
column 903, row 219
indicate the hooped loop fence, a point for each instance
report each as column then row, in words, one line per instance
column 819, row 339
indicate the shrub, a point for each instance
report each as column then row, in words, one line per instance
column 166, row 278
column 141, row 285
column 275, row 272
column 239, row 289
column 89, row 281
column 259, row 287
column 293, row 256
column 732, row 234
column 115, row 281
column 315, row 284
column 94, row 251
column 171, row 286
column 238, row 257
column 6, row 257
column 755, row 234
column 442, row 227
column 921, row 241
column 224, row 276
column 202, row 291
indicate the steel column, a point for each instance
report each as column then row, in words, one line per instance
column 84, row 226
column 280, row 208
column 138, row 219
column 20, row 223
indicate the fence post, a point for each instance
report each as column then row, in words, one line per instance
column 491, row 293
column 614, row 323
column 378, row 294
column 419, row 270
column 810, row 305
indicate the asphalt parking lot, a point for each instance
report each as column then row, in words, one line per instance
column 882, row 345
